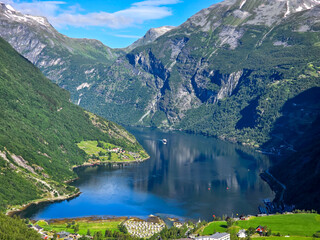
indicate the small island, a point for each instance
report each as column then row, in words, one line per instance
column 100, row 152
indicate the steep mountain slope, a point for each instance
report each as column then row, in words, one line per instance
column 300, row 172
column 59, row 57
column 233, row 69
column 39, row 132
column 227, row 71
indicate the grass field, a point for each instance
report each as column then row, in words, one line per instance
column 218, row 226
column 84, row 225
column 303, row 226
column 91, row 148
column 283, row 238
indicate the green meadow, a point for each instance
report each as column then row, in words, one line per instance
column 84, row 225
column 297, row 226
column 100, row 151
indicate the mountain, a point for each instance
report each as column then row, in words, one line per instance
column 300, row 172
column 150, row 36
column 39, row 133
column 52, row 52
column 227, row 71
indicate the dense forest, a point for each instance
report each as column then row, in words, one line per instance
column 16, row 229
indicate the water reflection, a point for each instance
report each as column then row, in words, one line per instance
column 191, row 176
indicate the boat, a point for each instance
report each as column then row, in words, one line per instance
column 164, row 141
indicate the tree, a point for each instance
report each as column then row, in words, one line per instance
column 100, row 144
column 88, row 232
column 230, row 222
column 55, row 236
column 101, row 153
column 250, row 231
column 316, row 235
column 122, row 228
column 76, row 228
column 108, row 233
column 97, row 236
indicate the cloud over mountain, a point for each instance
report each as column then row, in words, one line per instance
column 60, row 15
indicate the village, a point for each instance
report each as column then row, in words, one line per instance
column 145, row 229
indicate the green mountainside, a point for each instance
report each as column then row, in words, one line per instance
column 39, row 133
column 16, row 229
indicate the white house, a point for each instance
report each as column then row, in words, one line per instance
column 216, row 236
column 242, row 233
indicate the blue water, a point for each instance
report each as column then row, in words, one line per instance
column 191, row 176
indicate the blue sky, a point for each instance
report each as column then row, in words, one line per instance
column 117, row 23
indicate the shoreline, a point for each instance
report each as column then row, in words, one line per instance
column 23, row 207
column 17, row 211
column 87, row 164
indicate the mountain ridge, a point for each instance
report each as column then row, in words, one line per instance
column 183, row 77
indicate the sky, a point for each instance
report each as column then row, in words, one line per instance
column 116, row 23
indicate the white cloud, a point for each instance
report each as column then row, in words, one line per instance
column 127, row 36
column 156, row 2
column 61, row 16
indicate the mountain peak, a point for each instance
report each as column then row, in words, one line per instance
column 247, row 12
column 151, row 35
column 8, row 7
column 10, row 13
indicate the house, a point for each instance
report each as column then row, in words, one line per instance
column 216, row 236
column 260, row 229
column 63, row 234
column 37, row 228
column 242, row 233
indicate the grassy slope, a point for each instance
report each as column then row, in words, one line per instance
column 302, row 225
column 92, row 149
column 84, row 225
column 38, row 122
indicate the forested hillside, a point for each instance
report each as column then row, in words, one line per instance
column 15, row 229
column 39, row 132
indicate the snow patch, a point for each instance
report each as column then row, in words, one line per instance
column 306, row 6
column 83, row 85
column 288, row 9
column 299, row 9
column 242, row 3
column 89, row 71
column 40, row 20
column 17, row 16
column 10, row 8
